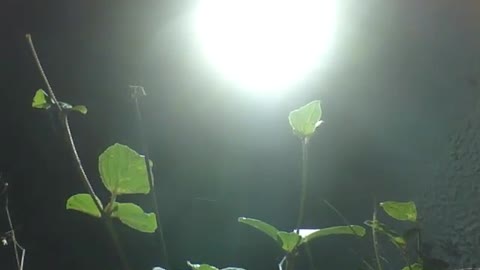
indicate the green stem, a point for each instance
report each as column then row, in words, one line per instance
column 73, row 149
column 374, row 238
column 303, row 195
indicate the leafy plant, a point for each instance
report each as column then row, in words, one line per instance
column 400, row 211
column 304, row 121
column 122, row 172
column 291, row 241
column 41, row 100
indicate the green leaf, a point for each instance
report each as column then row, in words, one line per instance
column 80, row 108
column 352, row 230
column 133, row 216
column 415, row 266
column 289, row 240
column 404, row 211
column 41, row 100
column 84, row 203
column 209, row 267
column 263, row 227
column 65, row 106
column 306, row 119
column 201, row 266
column 398, row 241
column 123, row 170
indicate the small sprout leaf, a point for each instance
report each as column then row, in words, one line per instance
column 289, row 240
column 80, row 108
column 263, row 227
column 352, row 230
column 65, row 106
column 123, row 170
column 41, row 100
column 398, row 241
column 306, row 119
column 133, row 216
column 415, row 266
column 404, row 211
column 83, row 203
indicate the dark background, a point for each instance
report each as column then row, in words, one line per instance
column 402, row 77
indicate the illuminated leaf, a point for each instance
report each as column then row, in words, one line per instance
column 133, row 216
column 404, row 211
column 84, row 203
column 289, row 240
column 41, row 100
column 80, row 108
column 263, row 227
column 123, row 170
column 352, row 230
column 209, row 267
column 306, row 119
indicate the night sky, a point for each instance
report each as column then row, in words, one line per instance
column 403, row 75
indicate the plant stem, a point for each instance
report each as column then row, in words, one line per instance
column 374, row 237
column 136, row 92
column 303, row 195
column 73, row 149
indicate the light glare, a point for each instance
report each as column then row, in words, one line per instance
column 265, row 44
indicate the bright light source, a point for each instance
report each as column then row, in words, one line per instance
column 265, row 44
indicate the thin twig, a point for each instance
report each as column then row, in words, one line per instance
column 374, row 237
column 138, row 91
column 42, row 72
column 280, row 264
column 346, row 222
column 73, row 149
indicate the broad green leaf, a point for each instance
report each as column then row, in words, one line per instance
column 123, row 170
column 415, row 266
column 405, row 211
column 133, row 216
column 263, row 227
column 40, row 100
column 83, row 203
column 289, row 240
column 201, row 266
column 80, row 108
column 352, row 230
column 306, row 119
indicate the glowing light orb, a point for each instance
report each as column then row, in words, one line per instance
column 266, row 45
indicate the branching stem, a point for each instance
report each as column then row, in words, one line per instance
column 69, row 138
column 376, row 247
